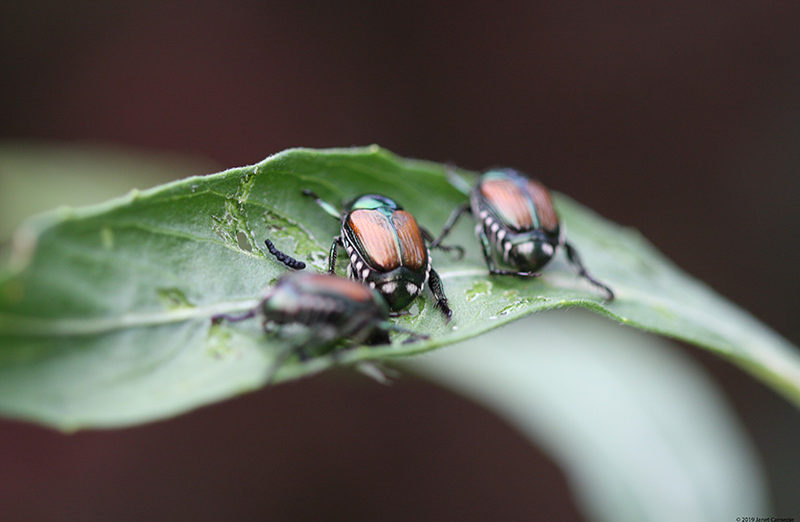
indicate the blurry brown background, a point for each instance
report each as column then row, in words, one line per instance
column 682, row 120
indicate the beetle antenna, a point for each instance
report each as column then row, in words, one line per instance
column 327, row 207
column 278, row 361
column 284, row 258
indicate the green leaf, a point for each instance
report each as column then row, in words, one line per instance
column 638, row 428
column 104, row 311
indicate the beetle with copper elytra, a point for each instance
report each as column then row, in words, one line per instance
column 518, row 223
column 387, row 250
column 328, row 310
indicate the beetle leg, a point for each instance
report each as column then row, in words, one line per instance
column 281, row 357
column 441, row 300
column 447, row 248
column 485, row 247
column 575, row 259
column 327, row 207
column 451, row 222
column 332, row 254
column 487, row 255
column 362, row 327
column 378, row 372
column 413, row 336
column 301, row 344
column 233, row 318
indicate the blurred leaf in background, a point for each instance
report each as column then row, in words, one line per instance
column 639, row 429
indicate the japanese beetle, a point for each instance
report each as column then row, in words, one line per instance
column 387, row 250
column 517, row 221
column 326, row 308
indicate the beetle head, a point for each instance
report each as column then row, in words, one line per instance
column 532, row 254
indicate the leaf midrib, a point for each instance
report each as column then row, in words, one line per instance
column 39, row 326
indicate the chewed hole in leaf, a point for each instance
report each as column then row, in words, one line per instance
column 173, row 298
column 243, row 241
column 478, row 289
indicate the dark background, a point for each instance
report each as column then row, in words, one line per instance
column 682, row 120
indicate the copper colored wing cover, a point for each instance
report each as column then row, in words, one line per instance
column 510, row 202
column 338, row 285
column 412, row 245
column 548, row 219
column 374, row 231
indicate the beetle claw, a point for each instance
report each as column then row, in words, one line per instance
column 448, row 314
column 450, row 248
column 414, row 337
